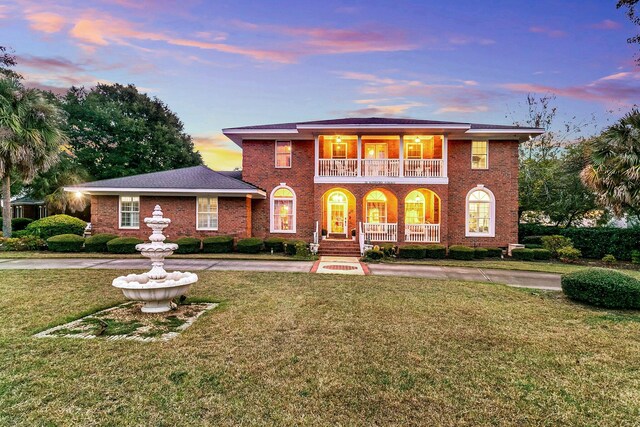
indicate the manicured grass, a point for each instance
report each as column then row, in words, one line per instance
column 508, row 264
column 303, row 349
column 47, row 254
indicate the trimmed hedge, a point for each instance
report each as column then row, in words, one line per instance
column 541, row 254
column 26, row 243
column 187, row 245
column 98, row 242
column 275, row 243
column 252, row 245
column 373, row 255
column 412, row 252
column 17, row 224
column 523, row 254
column 55, row 225
column 592, row 242
column 65, row 243
column 436, row 251
column 569, row 254
column 602, row 287
column 479, row 253
column 123, row 245
column 217, row 245
column 533, row 246
column 459, row 252
column 290, row 246
column 532, row 240
column 494, row 252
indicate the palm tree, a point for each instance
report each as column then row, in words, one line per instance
column 613, row 169
column 30, row 138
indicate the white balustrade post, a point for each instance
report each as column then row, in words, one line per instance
column 359, row 155
column 401, row 156
column 445, row 149
column 316, row 155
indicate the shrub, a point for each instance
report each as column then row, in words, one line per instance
column 217, row 244
column 65, row 243
column 290, row 246
column 373, row 255
column 461, row 252
column 18, row 224
column 412, row 251
column 494, row 252
column 569, row 254
column 541, row 254
column 554, row 243
column 479, row 253
column 436, row 251
column 188, row 245
column 252, row 245
column 123, row 245
column 635, row 257
column 609, row 259
column 21, row 233
column 532, row 240
column 55, row 225
column 389, row 249
column 302, row 249
column 603, row 288
column 275, row 243
column 98, row 242
column 523, row 254
column 533, row 246
column 26, row 243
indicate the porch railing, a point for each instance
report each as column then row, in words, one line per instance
column 423, row 233
column 381, row 167
column 384, row 232
column 338, row 167
column 423, row 168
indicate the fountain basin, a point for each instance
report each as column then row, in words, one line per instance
column 155, row 294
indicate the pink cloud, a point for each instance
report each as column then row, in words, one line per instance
column 464, row 40
column 547, row 31
column 385, row 110
column 46, row 22
column 607, row 24
column 615, row 89
column 45, row 63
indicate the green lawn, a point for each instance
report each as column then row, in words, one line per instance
column 235, row 255
column 304, row 349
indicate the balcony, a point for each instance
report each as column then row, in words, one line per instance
column 338, row 167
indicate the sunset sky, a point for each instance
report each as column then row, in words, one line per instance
column 224, row 64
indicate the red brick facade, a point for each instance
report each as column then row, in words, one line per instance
column 251, row 217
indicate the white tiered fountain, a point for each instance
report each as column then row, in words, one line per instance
column 156, row 288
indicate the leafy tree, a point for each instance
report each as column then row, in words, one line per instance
column 30, row 137
column 613, row 167
column 116, row 131
column 7, row 60
column 634, row 17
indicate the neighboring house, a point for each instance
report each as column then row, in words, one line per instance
column 26, row 207
column 380, row 179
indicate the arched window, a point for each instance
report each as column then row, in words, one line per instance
column 283, row 210
column 480, row 213
column 415, row 208
column 376, row 203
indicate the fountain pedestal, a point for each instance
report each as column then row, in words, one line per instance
column 156, row 288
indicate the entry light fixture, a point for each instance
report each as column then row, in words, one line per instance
column 417, row 140
column 338, row 139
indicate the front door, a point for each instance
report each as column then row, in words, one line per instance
column 337, row 218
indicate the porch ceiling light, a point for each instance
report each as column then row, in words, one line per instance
column 338, row 139
column 417, row 140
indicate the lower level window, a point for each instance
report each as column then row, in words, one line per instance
column 207, row 213
column 283, row 210
column 129, row 212
column 480, row 213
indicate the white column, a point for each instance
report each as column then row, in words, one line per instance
column 401, row 156
column 445, row 150
column 359, row 155
column 316, row 155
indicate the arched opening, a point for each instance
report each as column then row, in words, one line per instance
column 480, row 213
column 422, row 216
column 338, row 219
column 283, row 210
column 380, row 210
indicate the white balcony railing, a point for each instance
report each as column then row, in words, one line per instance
column 423, row 168
column 338, row 167
column 381, row 167
column 384, row 232
column 423, row 233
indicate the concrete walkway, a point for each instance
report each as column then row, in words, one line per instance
column 516, row 278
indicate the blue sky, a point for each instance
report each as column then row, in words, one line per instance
column 224, row 64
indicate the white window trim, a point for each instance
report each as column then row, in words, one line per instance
column 120, row 226
column 492, row 213
column 271, row 211
column 275, row 151
column 420, row 144
column 487, row 162
column 198, row 228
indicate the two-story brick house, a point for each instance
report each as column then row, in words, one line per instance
column 376, row 179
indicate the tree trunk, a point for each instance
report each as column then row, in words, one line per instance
column 6, row 206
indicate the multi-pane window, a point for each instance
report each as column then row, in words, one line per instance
column 414, row 150
column 479, row 155
column 376, row 207
column 283, row 213
column 283, row 154
column 339, row 150
column 129, row 212
column 414, row 205
column 207, row 213
column 479, row 213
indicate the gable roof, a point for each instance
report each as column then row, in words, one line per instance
column 195, row 179
column 305, row 129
